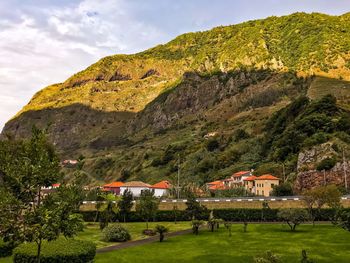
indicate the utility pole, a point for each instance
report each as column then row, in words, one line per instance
column 345, row 175
column 178, row 178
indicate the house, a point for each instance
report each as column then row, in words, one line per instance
column 216, row 185
column 249, row 183
column 161, row 188
column 136, row 187
column 236, row 180
column 113, row 187
column 264, row 184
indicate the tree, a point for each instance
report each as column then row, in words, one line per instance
column 27, row 167
column 161, row 230
column 320, row 196
column 194, row 209
column 228, row 226
column 147, row 205
column 293, row 217
column 125, row 204
column 106, row 208
column 213, row 223
column 343, row 219
column 284, row 189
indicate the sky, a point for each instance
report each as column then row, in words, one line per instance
column 44, row 42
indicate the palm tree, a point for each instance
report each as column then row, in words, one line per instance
column 161, row 230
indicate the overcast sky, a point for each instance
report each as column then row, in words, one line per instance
column 44, row 42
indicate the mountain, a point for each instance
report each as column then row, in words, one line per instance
column 210, row 100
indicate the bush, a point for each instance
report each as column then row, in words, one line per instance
column 149, row 232
column 61, row 250
column 6, row 249
column 284, row 189
column 326, row 164
column 229, row 214
column 115, row 233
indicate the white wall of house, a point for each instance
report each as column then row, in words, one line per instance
column 136, row 191
column 160, row 192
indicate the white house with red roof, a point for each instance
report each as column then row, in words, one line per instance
column 161, row 188
column 136, row 187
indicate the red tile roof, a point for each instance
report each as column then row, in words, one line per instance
column 217, row 187
column 267, row 177
column 162, row 185
column 238, row 174
column 56, row 185
column 114, row 185
column 136, row 184
column 250, row 178
column 215, row 183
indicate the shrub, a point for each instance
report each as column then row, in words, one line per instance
column 115, row 233
column 326, row 164
column 284, row 189
column 61, row 250
column 5, row 248
column 268, row 257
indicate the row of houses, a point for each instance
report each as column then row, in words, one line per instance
column 257, row 185
column 136, row 187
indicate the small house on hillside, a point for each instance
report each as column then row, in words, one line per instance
column 113, row 187
column 136, row 187
column 161, row 188
column 236, row 180
column 264, row 184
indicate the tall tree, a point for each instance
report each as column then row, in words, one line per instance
column 147, row 205
column 107, row 208
column 194, row 209
column 125, row 204
column 28, row 167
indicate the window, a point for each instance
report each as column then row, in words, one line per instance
column 272, row 185
column 257, row 192
column 262, row 192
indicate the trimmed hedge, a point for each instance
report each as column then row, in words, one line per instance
column 6, row 249
column 58, row 251
column 234, row 214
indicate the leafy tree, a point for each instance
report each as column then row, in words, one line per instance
column 161, row 230
column 293, row 217
column 27, row 213
column 326, row 164
column 147, row 205
column 320, row 196
column 107, row 208
column 343, row 219
column 194, row 209
column 125, row 204
column 284, row 189
column 213, row 223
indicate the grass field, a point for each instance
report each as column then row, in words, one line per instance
column 323, row 243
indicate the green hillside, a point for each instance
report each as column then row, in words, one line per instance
column 208, row 99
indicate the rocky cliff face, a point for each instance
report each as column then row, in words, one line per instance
column 308, row 177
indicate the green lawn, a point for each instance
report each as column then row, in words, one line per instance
column 323, row 243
